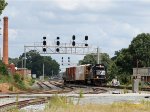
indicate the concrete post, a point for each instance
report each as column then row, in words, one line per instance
column 135, row 85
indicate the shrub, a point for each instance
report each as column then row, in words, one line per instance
column 3, row 68
column 19, row 81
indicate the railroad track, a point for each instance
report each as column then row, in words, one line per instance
column 46, row 85
column 21, row 104
column 98, row 90
column 95, row 90
column 60, row 85
column 1, row 97
column 42, row 84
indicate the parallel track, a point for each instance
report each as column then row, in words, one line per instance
column 24, row 103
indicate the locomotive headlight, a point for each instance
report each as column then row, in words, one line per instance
column 97, row 77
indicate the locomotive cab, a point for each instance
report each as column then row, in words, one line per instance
column 99, row 74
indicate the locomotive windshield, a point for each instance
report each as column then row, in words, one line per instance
column 100, row 68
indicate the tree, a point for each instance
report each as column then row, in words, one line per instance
column 3, row 4
column 3, row 69
column 126, row 59
column 139, row 49
column 88, row 59
column 14, row 61
column 92, row 59
column 34, row 61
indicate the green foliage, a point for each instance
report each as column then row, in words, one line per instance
column 31, row 82
column 139, row 49
column 61, row 104
column 58, row 102
column 126, row 59
column 105, row 59
column 3, row 69
column 14, row 61
column 81, row 94
column 88, row 59
column 3, row 4
column 19, row 81
column 11, row 88
column 92, row 59
column 145, row 102
column 6, row 78
column 35, row 62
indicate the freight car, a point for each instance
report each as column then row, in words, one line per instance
column 86, row 74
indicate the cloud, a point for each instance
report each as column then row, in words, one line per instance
column 13, row 34
column 110, row 24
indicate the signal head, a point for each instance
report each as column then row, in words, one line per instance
column 73, row 37
column 44, row 49
column 57, row 50
column 58, row 38
column 44, row 42
column 86, row 45
column 73, row 43
column 86, row 37
column 44, row 38
column 58, row 43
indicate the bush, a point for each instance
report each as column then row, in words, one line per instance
column 19, row 81
column 3, row 68
column 11, row 88
column 4, row 79
column 32, row 81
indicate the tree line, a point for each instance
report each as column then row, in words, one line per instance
column 121, row 64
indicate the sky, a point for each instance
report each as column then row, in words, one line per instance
column 109, row 24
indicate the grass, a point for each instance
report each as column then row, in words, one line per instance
column 66, row 104
column 6, row 78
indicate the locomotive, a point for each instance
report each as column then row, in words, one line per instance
column 86, row 74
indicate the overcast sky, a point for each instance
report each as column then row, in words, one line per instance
column 110, row 24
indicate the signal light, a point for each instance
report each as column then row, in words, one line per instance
column 44, row 49
column 73, row 37
column 44, row 38
column 44, row 42
column 73, row 43
column 86, row 45
column 58, row 43
column 57, row 38
column 68, row 59
column 86, row 37
column 62, row 59
column 57, row 49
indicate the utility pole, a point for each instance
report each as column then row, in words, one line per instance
column 22, row 63
column 24, row 57
column 43, row 70
column 98, row 56
column 137, row 62
column 0, row 54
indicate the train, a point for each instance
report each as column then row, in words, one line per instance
column 86, row 74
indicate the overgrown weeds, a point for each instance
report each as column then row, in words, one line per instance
column 65, row 104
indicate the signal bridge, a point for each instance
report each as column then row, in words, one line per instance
column 63, row 48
